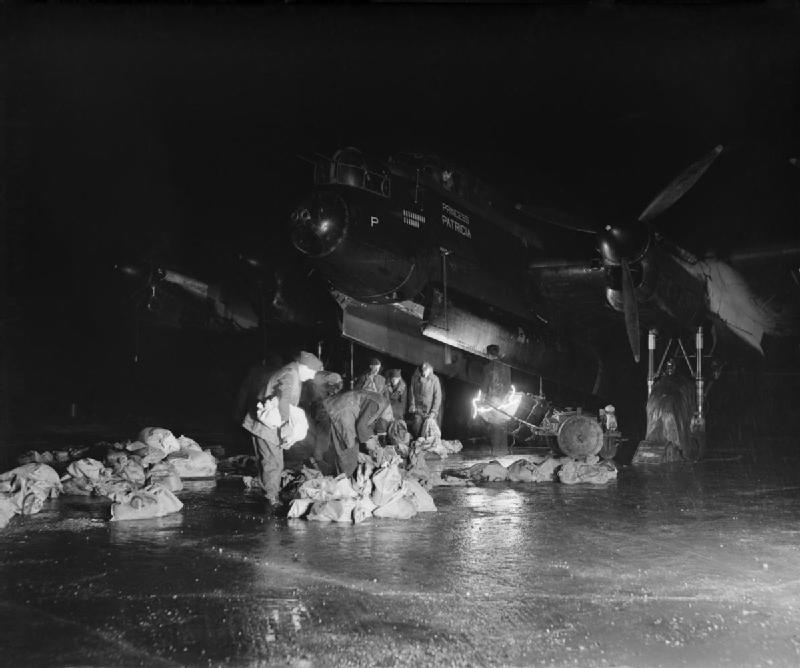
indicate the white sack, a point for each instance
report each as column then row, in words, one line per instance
column 574, row 472
column 386, row 483
column 158, row 437
column 194, row 464
column 186, row 443
column 335, row 510
column 299, row 508
column 152, row 501
column 87, row 468
column 422, row 501
column 398, row 507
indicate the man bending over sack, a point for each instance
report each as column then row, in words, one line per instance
column 356, row 416
column 268, row 419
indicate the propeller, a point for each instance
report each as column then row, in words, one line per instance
column 626, row 243
column 680, row 185
column 630, row 309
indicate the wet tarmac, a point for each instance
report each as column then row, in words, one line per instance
column 672, row 565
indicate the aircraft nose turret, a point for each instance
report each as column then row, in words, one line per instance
column 319, row 224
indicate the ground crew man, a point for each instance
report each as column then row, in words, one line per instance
column 372, row 381
column 424, row 398
column 396, row 392
column 284, row 385
column 495, row 385
column 355, row 416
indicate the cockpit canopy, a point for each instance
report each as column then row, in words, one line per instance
column 349, row 167
column 442, row 174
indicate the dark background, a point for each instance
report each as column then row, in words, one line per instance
column 137, row 132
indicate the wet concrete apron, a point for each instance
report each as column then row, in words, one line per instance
column 675, row 565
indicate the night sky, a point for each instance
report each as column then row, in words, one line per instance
column 174, row 132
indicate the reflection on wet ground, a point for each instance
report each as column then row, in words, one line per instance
column 674, row 565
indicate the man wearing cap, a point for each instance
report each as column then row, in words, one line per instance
column 495, row 385
column 372, row 381
column 396, row 392
column 285, row 386
column 425, row 398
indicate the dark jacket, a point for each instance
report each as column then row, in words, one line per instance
column 370, row 383
column 398, row 398
column 425, row 395
column 285, row 385
column 352, row 421
column 356, row 412
column 251, row 388
column 496, row 381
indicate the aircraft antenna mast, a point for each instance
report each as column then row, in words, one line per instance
column 444, row 253
column 351, row 365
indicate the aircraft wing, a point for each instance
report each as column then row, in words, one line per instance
column 575, row 293
column 766, row 256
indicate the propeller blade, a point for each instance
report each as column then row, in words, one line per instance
column 680, row 185
column 630, row 308
column 555, row 217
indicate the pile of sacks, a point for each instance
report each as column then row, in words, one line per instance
column 430, row 440
column 52, row 458
column 140, row 477
column 24, row 490
column 545, row 469
column 384, row 491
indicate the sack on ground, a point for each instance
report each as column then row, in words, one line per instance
column 41, row 476
column 327, row 488
column 152, row 501
column 545, row 472
column 87, row 468
column 8, row 508
column 158, row 437
column 299, row 507
column 418, row 469
column 147, row 454
column 165, row 473
column 492, row 471
column 116, row 459
column 32, row 456
column 363, row 509
column 335, row 510
column 573, row 472
column 451, row 447
column 386, row 483
column 398, row 507
column 422, row 501
column 77, row 486
column 186, row 443
column 362, row 485
column 194, row 464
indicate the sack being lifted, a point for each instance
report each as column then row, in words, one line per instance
column 293, row 432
